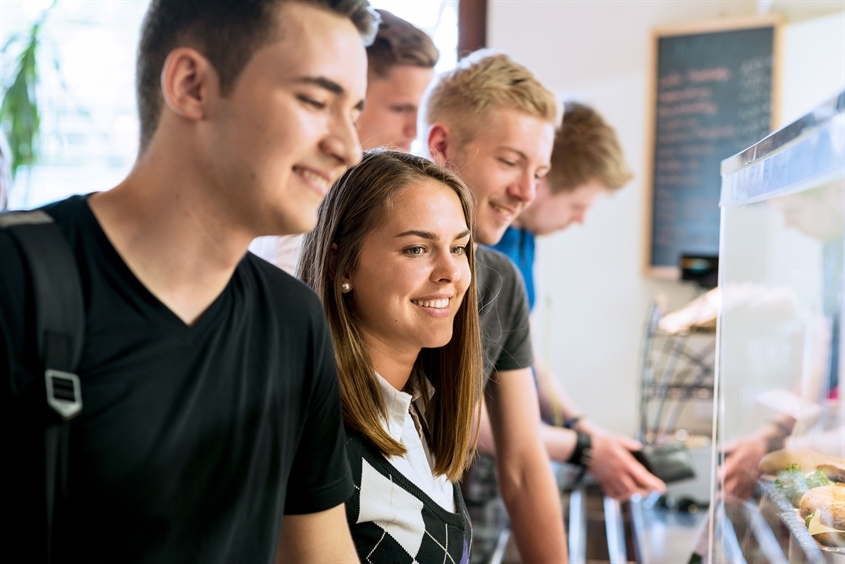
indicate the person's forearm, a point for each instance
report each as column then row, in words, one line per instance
column 533, row 503
column 555, row 404
column 486, row 439
column 303, row 538
column 524, row 471
column 559, row 442
column 586, row 425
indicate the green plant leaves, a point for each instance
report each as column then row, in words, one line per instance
column 19, row 111
column 20, row 115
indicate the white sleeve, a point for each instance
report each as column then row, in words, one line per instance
column 282, row 251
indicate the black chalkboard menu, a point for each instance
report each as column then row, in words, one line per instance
column 713, row 95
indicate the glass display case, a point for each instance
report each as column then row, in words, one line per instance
column 778, row 492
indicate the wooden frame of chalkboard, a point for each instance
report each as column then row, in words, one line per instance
column 714, row 91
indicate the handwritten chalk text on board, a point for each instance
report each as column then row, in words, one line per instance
column 713, row 99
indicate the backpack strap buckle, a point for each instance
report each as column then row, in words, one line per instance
column 64, row 393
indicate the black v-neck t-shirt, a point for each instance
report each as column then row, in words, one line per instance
column 193, row 440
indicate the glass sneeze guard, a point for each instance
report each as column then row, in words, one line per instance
column 779, row 449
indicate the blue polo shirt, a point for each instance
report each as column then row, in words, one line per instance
column 518, row 245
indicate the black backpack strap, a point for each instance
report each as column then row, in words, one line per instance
column 60, row 330
column 59, row 309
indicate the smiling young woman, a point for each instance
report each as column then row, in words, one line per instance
column 392, row 261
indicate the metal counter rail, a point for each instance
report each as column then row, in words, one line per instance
column 725, row 530
column 660, row 535
column 577, row 534
column 501, row 545
column 578, row 525
column 763, row 533
column 577, row 531
column 615, row 527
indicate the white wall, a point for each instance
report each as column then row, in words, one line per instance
column 813, row 63
column 590, row 279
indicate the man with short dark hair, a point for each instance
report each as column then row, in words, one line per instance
column 400, row 64
column 207, row 375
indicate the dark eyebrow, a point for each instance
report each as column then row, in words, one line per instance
column 330, row 85
column 430, row 235
column 423, row 234
column 323, row 82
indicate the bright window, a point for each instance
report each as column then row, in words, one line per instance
column 86, row 60
column 89, row 125
column 438, row 18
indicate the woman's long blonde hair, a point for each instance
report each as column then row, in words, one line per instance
column 354, row 207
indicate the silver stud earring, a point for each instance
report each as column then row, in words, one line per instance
column 345, row 287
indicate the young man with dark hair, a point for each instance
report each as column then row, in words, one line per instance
column 400, row 66
column 207, row 375
column 400, row 63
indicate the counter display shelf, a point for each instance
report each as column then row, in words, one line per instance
column 676, row 371
column 779, row 385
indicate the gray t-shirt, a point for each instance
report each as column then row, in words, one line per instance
column 503, row 307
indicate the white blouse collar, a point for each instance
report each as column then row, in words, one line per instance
column 398, row 404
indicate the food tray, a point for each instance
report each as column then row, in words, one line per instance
column 793, row 521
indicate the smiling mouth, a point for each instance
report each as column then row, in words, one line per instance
column 506, row 212
column 434, row 304
column 317, row 180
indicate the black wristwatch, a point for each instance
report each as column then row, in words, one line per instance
column 582, row 454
